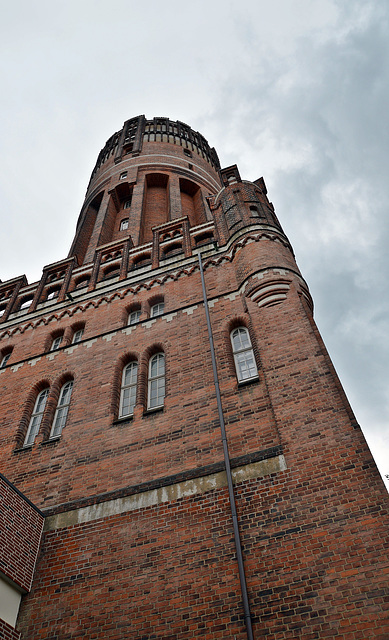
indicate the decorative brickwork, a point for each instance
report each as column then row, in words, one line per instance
column 139, row 540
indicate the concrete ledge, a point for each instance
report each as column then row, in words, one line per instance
column 165, row 481
column 172, row 492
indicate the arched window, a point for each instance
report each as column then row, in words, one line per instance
column 157, row 309
column 77, row 336
column 25, row 303
column 133, row 316
column 53, row 294
column 128, row 390
column 156, row 390
column 124, row 224
column 4, row 357
column 245, row 365
column 78, row 332
column 56, row 343
column 62, row 409
column 36, row 418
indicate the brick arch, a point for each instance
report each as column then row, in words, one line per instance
column 52, row 336
column 129, row 356
column 53, row 289
column 28, row 409
column 154, row 300
column 234, row 323
column 172, row 249
column 129, row 308
column 81, row 281
column 6, row 350
column 112, row 269
column 77, row 326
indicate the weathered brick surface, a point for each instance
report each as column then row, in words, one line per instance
column 7, row 632
column 21, row 528
column 314, row 536
column 170, row 571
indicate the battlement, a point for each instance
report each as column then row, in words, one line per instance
column 129, row 140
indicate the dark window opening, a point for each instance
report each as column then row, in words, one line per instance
column 112, row 272
column 172, row 250
column 143, row 261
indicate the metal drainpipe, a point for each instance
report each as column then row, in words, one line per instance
column 238, row 545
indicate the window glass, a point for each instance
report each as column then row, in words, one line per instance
column 156, row 390
column 56, row 343
column 77, row 337
column 36, row 417
column 157, row 309
column 134, row 316
column 245, row 365
column 128, row 390
column 127, row 204
column 123, row 175
column 4, row 360
column 61, row 411
column 124, row 224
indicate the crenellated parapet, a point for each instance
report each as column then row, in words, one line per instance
column 129, row 140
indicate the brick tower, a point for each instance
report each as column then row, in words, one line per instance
column 172, row 421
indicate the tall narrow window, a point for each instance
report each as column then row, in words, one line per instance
column 128, row 391
column 62, row 409
column 245, row 365
column 156, row 391
column 124, row 224
column 157, row 309
column 36, row 418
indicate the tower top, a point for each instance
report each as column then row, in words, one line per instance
column 148, row 173
column 129, row 140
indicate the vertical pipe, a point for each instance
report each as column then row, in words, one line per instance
column 238, row 545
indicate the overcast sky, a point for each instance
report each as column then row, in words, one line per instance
column 292, row 90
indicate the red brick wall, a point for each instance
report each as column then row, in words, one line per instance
column 169, row 571
column 7, row 632
column 94, row 454
column 313, row 535
column 20, row 533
